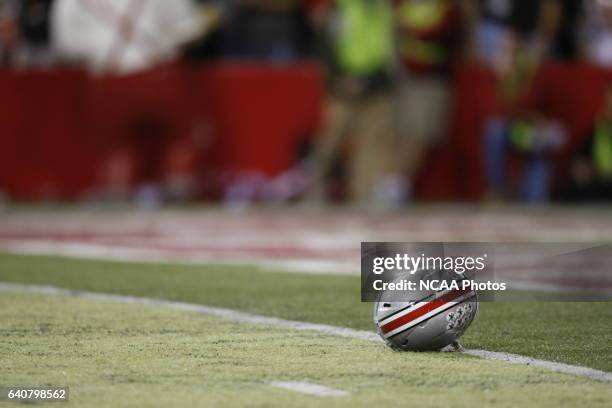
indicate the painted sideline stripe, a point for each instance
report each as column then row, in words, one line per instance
column 309, row 388
column 550, row 365
column 228, row 314
column 295, row 325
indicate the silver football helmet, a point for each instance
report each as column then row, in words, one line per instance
column 430, row 322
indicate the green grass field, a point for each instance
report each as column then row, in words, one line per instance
column 127, row 355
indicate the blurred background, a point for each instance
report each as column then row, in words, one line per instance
column 378, row 103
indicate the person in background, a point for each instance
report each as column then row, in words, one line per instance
column 127, row 36
column 513, row 38
column 428, row 37
column 135, row 93
column 591, row 167
column 358, row 52
column 544, row 29
column 532, row 142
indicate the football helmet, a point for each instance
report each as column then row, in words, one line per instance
column 433, row 321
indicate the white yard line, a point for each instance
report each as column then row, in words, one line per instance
column 550, row 365
column 228, row 314
column 309, row 388
column 294, row 325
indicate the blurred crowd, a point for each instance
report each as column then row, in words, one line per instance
column 389, row 66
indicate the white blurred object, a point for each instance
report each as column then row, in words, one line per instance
column 124, row 36
column 598, row 32
column 244, row 188
column 392, row 191
column 601, row 49
column 148, row 196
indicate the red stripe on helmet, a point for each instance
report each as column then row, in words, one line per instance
column 423, row 310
